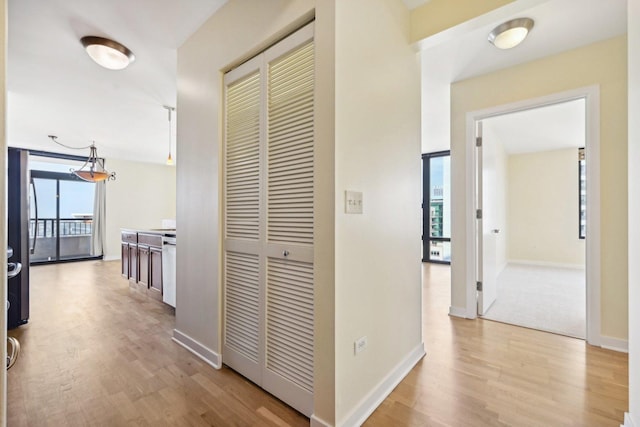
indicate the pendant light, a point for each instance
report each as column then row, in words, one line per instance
column 93, row 168
column 107, row 53
column 169, row 110
column 511, row 33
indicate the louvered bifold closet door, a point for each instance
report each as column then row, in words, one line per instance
column 243, row 250
column 290, row 186
column 268, row 220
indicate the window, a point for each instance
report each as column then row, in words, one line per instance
column 582, row 194
column 61, row 210
column 436, row 224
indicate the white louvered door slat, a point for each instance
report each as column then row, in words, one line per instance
column 290, row 147
column 268, row 220
column 242, row 300
column 243, row 158
column 242, row 177
column 290, row 320
column 290, row 185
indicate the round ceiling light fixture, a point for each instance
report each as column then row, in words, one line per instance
column 107, row 53
column 511, row 33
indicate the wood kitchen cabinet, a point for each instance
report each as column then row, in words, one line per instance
column 155, row 270
column 133, row 262
column 124, row 256
column 129, row 251
column 142, row 262
column 143, row 266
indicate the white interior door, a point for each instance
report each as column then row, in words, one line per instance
column 288, row 369
column 243, row 271
column 268, row 211
column 486, row 226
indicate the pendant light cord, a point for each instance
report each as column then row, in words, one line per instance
column 169, row 110
column 55, row 139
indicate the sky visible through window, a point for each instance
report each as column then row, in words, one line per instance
column 76, row 197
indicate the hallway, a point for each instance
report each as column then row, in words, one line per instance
column 95, row 353
column 485, row 373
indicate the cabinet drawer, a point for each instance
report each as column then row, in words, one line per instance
column 150, row 239
column 129, row 237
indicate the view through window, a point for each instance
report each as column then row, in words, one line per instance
column 61, row 211
column 436, row 207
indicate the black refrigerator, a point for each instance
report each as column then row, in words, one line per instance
column 18, row 188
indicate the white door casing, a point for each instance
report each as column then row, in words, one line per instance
column 591, row 95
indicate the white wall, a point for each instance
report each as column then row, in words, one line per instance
column 142, row 195
column 603, row 64
column 236, row 32
column 3, row 205
column 367, row 81
column 378, row 276
column 435, row 106
column 633, row 417
column 543, row 208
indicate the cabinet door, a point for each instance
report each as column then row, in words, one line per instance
column 143, row 265
column 124, row 257
column 155, row 271
column 133, row 262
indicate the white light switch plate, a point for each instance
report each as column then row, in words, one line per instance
column 359, row 345
column 353, row 202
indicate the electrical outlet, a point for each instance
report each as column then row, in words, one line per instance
column 359, row 345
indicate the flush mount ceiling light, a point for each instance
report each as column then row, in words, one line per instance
column 511, row 33
column 93, row 169
column 107, row 53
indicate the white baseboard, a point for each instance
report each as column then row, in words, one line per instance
column 207, row 355
column 369, row 404
column 628, row 421
column 318, row 422
column 502, row 267
column 546, row 264
column 111, row 258
column 615, row 344
column 458, row 312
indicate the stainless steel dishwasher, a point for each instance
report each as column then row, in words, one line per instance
column 169, row 270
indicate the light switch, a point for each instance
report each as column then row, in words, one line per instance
column 353, row 202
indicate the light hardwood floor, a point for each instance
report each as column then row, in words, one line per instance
column 95, row 353
column 485, row 373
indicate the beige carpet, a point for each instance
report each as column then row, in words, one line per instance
column 545, row 298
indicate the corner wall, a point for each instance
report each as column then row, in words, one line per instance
column 632, row 418
column 378, row 270
column 142, row 195
column 236, row 32
column 543, row 209
column 423, row 25
column 602, row 64
column 3, row 204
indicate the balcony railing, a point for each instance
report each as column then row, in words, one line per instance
column 48, row 227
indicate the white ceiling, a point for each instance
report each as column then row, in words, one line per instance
column 55, row 88
column 464, row 52
column 560, row 25
column 552, row 127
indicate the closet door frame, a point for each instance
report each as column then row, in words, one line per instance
column 258, row 372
